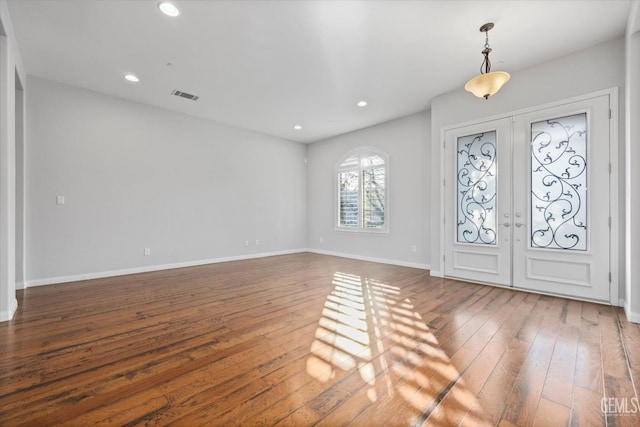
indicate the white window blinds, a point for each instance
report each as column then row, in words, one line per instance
column 362, row 180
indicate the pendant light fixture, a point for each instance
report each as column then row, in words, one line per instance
column 487, row 83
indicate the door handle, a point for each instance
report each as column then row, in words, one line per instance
column 519, row 224
column 507, row 224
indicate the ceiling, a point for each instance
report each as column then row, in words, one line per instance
column 270, row 65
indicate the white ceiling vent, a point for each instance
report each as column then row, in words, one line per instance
column 177, row 92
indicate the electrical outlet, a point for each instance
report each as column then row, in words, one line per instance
column 59, row 200
column 321, row 239
column 414, row 248
column 257, row 242
column 246, row 243
column 147, row 251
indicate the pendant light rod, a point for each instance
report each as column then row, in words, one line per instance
column 487, row 49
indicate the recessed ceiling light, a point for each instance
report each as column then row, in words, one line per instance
column 168, row 8
column 132, row 78
column 297, row 127
column 362, row 103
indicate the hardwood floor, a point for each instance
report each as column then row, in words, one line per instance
column 309, row 339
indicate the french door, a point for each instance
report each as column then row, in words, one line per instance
column 527, row 201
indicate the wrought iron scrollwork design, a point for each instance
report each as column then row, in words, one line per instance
column 476, row 220
column 559, row 183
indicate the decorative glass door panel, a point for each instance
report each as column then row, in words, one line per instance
column 559, row 183
column 476, row 181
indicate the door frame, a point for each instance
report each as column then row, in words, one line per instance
column 614, row 178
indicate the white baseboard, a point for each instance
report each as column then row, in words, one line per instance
column 436, row 273
column 631, row 316
column 8, row 314
column 372, row 259
column 19, row 285
column 146, row 269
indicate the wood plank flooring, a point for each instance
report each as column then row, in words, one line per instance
column 308, row 339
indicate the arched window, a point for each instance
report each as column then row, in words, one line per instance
column 361, row 181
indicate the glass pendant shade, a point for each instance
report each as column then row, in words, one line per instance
column 487, row 84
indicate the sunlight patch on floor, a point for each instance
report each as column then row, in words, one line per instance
column 369, row 328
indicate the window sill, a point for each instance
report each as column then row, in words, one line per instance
column 380, row 232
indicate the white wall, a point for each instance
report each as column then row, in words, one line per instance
column 632, row 156
column 10, row 66
column 134, row 176
column 406, row 141
column 587, row 71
